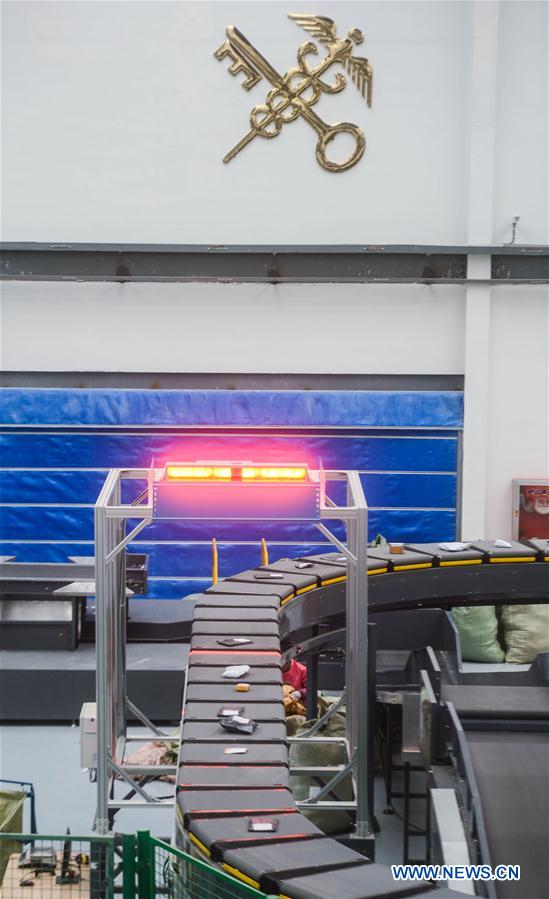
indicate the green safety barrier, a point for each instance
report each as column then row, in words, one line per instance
column 176, row 874
column 135, row 866
column 56, row 865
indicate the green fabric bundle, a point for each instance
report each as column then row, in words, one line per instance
column 525, row 632
column 478, row 633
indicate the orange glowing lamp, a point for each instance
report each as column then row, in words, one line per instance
column 214, row 471
column 198, row 472
column 274, row 473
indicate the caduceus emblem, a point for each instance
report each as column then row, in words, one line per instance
column 294, row 94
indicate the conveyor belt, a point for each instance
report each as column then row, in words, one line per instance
column 512, row 774
column 487, row 701
column 500, row 739
column 221, row 792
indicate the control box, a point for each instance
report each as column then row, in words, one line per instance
column 88, row 735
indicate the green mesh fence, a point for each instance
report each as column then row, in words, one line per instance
column 57, row 867
column 94, row 867
column 180, row 876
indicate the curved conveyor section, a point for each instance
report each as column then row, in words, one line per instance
column 228, row 781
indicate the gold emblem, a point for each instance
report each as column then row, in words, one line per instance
column 294, row 94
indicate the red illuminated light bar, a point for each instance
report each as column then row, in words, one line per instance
column 215, row 471
column 236, row 491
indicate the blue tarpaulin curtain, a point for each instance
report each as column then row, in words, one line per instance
column 57, row 445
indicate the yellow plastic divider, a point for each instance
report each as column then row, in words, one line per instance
column 200, row 845
column 461, row 562
column 515, row 559
column 264, row 552
column 244, row 877
column 215, row 562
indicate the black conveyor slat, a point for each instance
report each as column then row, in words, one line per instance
column 512, row 774
column 489, row 701
column 208, row 674
column 224, row 628
column 233, row 776
column 400, row 560
column 267, row 575
column 337, row 562
column 211, row 612
column 445, row 556
column 211, row 731
column 206, row 803
column 251, row 588
column 368, row 882
column 230, row 599
column 515, row 551
column 271, row 863
column 335, row 559
column 225, row 693
column 210, row 642
column 259, row 711
column 214, row 754
column 219, row 833
column 321, row 571
column 226, row 657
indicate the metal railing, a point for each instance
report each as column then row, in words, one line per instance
column 177, row 875
column 56, row 866
column 98, row 867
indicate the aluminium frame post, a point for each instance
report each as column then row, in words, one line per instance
column 118, row 566
column 355, row 517
column 101, row 655
column 361, row 699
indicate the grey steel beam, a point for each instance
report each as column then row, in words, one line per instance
column 296, row 249
column 266, row 264
column 272, row 265
column 511, row 267
column 228, row 381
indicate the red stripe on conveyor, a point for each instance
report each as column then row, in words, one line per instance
column 229, row 652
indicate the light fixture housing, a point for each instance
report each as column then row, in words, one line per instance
column 236, row 491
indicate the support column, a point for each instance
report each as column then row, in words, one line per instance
column 477, row 398
column 478, row 298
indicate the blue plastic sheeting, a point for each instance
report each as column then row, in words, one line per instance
column 368, row 452
column 66, row 523
column 168, row 559
column 242, row 408
column 75, row 436
column 168, row 588
column 65, row 487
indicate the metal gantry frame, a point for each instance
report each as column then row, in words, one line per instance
column 113, row 703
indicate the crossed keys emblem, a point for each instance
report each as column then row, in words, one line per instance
column 295, row 93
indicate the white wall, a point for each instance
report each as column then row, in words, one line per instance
column 51, row 326
column 521, row 169
column 116, row 116
column 518, row 414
